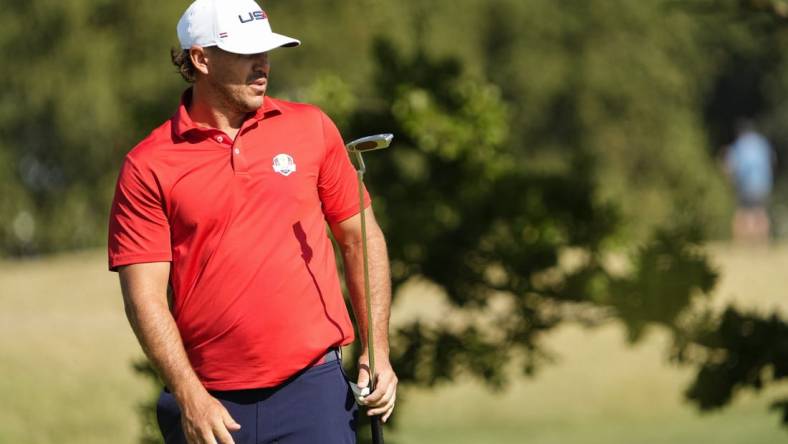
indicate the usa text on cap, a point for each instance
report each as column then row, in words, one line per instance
column 237, row 26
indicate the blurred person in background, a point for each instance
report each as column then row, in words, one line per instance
column 218, row 232
column 750, row 162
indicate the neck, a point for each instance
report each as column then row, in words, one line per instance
column 209, row 109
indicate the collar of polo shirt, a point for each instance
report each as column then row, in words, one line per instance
column 183, row 123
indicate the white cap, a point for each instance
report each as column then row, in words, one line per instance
column 237, row 26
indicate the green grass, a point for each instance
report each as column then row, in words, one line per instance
column 65, row 354
column 65, row 373
column 600, row 391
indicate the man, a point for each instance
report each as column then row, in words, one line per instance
column 750, row 162
column 224, row 207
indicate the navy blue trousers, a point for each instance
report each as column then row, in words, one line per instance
column 315, row 406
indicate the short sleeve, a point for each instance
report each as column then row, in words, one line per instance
column 139, row 230
column 337, row 183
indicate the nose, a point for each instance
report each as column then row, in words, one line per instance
column 261, row 61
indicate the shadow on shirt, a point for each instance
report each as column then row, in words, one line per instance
column 306, row 255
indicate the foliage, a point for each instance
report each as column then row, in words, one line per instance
column 669, row 274
column 79, row 92
column 621, row 81
column 744, row 350
column 459, row 212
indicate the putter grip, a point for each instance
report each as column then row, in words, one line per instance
column 377, row 430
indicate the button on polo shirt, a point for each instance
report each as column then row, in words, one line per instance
column 256, row 295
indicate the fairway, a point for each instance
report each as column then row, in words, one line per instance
column 65, row 370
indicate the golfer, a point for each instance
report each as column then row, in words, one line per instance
column 218, row 232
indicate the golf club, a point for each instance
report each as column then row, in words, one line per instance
column 355, row 148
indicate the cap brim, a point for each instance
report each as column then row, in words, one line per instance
column 271, row 41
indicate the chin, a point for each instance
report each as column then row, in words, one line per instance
column 254, row 104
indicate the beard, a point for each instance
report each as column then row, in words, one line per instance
column 237, row 97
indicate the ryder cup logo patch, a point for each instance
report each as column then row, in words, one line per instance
column 284, row 164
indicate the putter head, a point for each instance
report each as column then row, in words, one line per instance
column 370, row 143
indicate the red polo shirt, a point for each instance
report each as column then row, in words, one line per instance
column 256, row 295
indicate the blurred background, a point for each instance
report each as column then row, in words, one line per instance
column 576, row 254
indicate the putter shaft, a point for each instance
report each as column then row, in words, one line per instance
column 355, row 148
column 367, row 295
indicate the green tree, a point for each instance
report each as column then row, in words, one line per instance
column 623, row 81
column 459, row 211
column 77, row 94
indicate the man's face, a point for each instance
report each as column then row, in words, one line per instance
column 240, row 81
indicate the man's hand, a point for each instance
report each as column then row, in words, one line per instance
column 381, row 401
column 206, row 421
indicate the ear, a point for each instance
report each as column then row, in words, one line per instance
column 199, row 56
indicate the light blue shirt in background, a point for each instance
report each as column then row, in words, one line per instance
column 750, row 161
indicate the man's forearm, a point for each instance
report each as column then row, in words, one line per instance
column 349, row 235
column 380, row 287
column 155, row 328
column 158, row 335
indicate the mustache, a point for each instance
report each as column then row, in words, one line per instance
column 256, row 76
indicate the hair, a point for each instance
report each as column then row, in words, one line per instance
column 183, row 61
